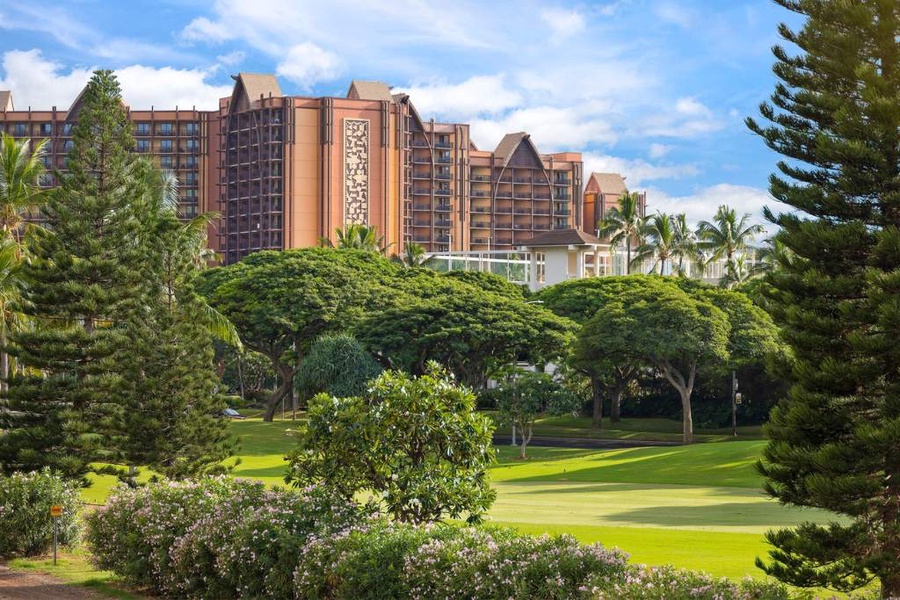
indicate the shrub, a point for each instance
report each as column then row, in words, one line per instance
column 666, row 583
column 26, row 527
column 133, row 534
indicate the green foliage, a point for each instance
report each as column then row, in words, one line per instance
column 355, row 236
column 834, row 118
column 81, row 281
column 727, row 236
column 524, row 396
column 281, row 302
column 623, row 224
column 26, row 527
column 337, row 365
column 417, row 442
column 473, row 332
column 663, row 583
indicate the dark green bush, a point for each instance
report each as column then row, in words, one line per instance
column 26, row 527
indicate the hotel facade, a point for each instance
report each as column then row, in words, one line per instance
column 286, row 171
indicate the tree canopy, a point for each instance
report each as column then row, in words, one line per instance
column 834, row 117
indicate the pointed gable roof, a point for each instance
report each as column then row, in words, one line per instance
column 606, row 183
column 369, row 90
column 519, row 145
column 6, row 102
column 249, row 87
column 563, row 237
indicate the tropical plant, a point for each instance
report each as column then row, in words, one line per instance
column 659, row 240
column 357, row 237
column 727, row 236
column 414, row 255
column 21, row 174
column 623, row 224
column 685, row 247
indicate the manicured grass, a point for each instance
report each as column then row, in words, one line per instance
column 697, row 507
column 74, row 568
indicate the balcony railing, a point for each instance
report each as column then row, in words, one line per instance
column 480, row 178
column 443, row 145
column 442, row 192
column 481, row 209
column 421, row 207
column 479, row 194
column 442, row 208
column 481, row 224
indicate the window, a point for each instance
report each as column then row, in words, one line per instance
column 165, row 146
column 166, row 162
column 192, row 145
column 190, row 178
column 68, row 145
column 190, row 161
column 143, row 145
column 142, row 128
column 165, row 129
column 46, row 128
column 67, row 129
column 191, row 128
column 19, row 129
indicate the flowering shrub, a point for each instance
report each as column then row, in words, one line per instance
column 215, row 538
column 666, row 583
column 136, row 530
column 500, row 563
column 26, row 527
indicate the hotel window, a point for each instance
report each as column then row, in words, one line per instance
column 166, row 162
column 165, row 146
column 68, row 145
column 142, row 128
column 143, row 146
column 192, row 145
column 190, row 161
column 190, row 178
column 46, row 128
column 67, row 129
column 191, row 128
column 20, row 129
column 165, row 129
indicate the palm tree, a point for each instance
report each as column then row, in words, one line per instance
column 727, row 237
column 623, row 224
column 659, row 240
column 21, row 174
column 359, row 237
column 414, row 255
column 685, row 247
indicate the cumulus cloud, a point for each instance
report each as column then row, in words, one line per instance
column 552, row 129
column 41, row 83
column 563, row 23
column 703, row 203
column 658, row 150
column 636, row 172
column 686, row 118
column 479, row 94
column 306, row 64
column 202, row 29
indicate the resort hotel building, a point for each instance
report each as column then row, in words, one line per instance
column 285, row 171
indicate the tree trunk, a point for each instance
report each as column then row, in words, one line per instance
column 685, row 388
column 287, row 383
column 596, row 396
column 687, row 425
column 615, row 410
column 526, row 437
column 4, row 365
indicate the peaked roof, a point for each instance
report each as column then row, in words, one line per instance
column 6, row 102
column 250, row 86
column 369, row 90
column 511, row 142
column 609, row 183
column 564, row 237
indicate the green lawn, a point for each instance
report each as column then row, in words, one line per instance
column 697, row 507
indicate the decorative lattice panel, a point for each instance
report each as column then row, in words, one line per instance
column 356, row 171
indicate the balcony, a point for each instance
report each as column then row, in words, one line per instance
column 419, row 144
column 562, row 181
column 443, row 145
column 421, row 175
column 481, row 209
column 442, row 208
column 480, row 177
column 504, row 242
column 443, row 160
column 481, row 240
column 503, row 210
column 422, row 223
column 522, row 180
column 541, row 196
column 443, row 238
column 442, row 175
column 504, row 195
column 443, row 223
column 522, row 226
column 443, row 192
column 479, row 194
column 522, row 211
column 421, row 207
column 564, row 211
column 422, row 191
column 481, row 224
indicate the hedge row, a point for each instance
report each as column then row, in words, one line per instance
column 26, row 527
column 225, row 538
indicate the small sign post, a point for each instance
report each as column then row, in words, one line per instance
column 56, row 512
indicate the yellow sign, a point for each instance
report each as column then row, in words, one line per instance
column 56, row 510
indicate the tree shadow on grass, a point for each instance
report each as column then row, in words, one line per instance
column 726, row 514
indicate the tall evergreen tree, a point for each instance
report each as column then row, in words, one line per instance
column 835, row 440
column 80, row 282
column 169, row 408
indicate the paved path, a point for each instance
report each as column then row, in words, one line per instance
column 25, row 585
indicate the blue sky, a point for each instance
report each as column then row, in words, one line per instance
column 656, row 90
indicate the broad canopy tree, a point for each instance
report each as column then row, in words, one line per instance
column 281, row 302
column 835, row 118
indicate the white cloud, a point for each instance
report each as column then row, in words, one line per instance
column 675, row 14
column 41, row 83
column 232, row 58
column 306, row 64
column 691, row 107
column 686, row 118
column 563, row 23
column 202, row 29
column 479, row 94
column 37, row 82
column 636, row 172
column 552, row 129
column 658, row 150
column 702, row 204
